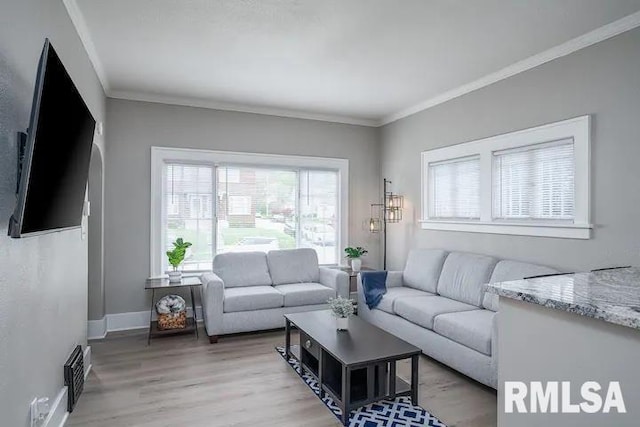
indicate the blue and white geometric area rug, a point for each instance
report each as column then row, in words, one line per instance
column 385, row 413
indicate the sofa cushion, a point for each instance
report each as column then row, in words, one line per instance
column 293, row 266
column 388, row 300
column 296, row 294
column 512, row 270
column 464, row 276
column 249, row 298
column 242, row 269
column 423, row 269
column 423, row 310
column 469, row 328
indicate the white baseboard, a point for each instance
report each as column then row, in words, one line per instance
column 87, row 361
column 98, row 329
column 126, row 321
column 58, row 410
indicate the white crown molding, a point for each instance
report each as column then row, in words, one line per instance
column 600, row 34
column 605, row 32
column 85, row 37
column 225, row 106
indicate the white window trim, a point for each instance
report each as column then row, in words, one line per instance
column 162, row 155
column 579, row 129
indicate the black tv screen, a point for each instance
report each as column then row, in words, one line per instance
column 55, row 167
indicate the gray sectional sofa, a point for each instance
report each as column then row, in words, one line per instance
column 438, row 303
column 251, row 291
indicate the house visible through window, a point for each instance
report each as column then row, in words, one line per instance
column 189, row 200
column 239, row 207
column 532, row 182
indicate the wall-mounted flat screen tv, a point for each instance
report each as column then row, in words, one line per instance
column 55, row 165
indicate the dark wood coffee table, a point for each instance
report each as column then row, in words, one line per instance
column 355, row 367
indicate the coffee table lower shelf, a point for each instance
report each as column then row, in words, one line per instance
column 368, row 384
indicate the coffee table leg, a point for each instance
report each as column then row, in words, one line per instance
column 414, row 379
column 392, row 379
column 287, row 339
column 346, row 394
column 321, row 371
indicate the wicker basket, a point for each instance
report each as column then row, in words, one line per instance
column 172, row 321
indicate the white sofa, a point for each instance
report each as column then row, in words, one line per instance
column 251, row 291
column 438, row 303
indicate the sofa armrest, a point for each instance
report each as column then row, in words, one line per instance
column 494, row 348
column 335, row 279
column 212, row 297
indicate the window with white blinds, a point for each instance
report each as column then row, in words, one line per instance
column 188, row 200
column 319, row 214
column 242, row 207
column 455, row 189
column 532, row 182
column 255, row 205
column 535, row 182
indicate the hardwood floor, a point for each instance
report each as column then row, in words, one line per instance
column 240, row 381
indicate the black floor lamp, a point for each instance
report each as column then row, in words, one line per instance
column 389, row 211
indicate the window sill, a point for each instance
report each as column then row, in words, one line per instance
column 563, row 231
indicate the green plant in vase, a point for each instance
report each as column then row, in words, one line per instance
column 342, row 309
column 354, row 254
column 176, row 256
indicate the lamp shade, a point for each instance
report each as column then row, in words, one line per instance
column 394, row 201
column 374, row 225
column 393, row 214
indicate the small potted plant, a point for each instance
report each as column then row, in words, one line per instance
column 354, row 254
column 176, row 256
column 342, row 309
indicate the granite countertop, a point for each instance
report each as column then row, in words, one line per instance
column 609, row 295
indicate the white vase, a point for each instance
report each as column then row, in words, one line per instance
column 175, row 276
column 342, row 323
column 356, row 264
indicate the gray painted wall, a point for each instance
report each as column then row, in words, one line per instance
column 134, row 127
column 95, row 237
column 43, row 280
column 602, row 80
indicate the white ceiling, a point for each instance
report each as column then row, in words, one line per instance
column 360, row 61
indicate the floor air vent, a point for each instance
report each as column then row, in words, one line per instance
column 74, row 377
